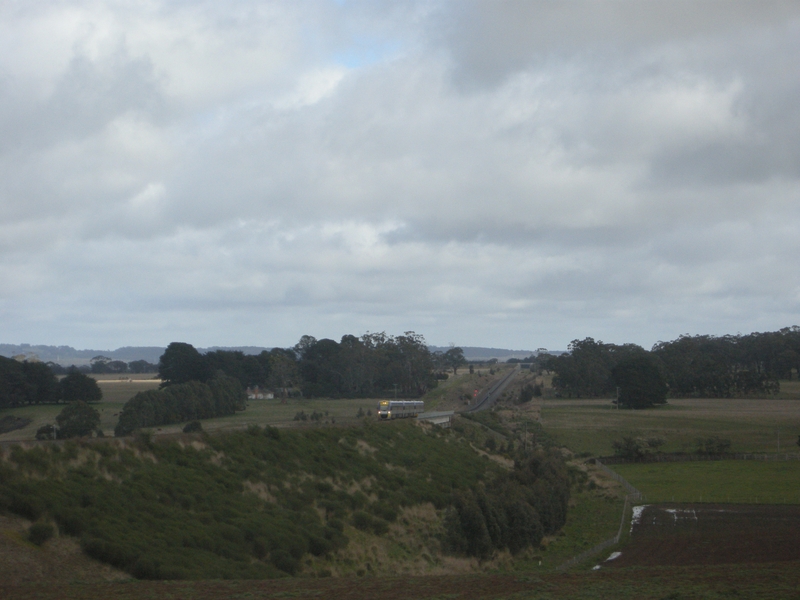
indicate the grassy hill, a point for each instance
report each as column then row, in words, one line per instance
column 236, row 505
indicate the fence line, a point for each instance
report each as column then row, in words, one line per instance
column 763, row 456
column 633, row 495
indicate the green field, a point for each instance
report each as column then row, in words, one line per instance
column 274, row 412
column 739, row 481
column 593, row 518
column 752, row 425
column 115, row 394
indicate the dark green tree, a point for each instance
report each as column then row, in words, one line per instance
column 228, row 394
column 99, row 364
column 454, row 359
column 76, row 420
column 321, row 367
column 13, row 391
column 585, row 371
column 640, row 382
column 41, row 384
column 182, row 363
column 117, row 366
column 79, row 387
column 142, row 366
column 283, row 371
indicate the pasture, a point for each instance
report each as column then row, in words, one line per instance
column 116, row 392
column 728, row 481
column 752, row 425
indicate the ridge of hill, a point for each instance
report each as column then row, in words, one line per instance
column 67, row 355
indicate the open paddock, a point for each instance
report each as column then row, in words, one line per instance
column 741, row 481
column 752, row 425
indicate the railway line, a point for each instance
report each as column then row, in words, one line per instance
column 487, row 398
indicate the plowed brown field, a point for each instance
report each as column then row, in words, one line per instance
column 711, row 534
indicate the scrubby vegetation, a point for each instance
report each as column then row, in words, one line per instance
column 253, row 504
column 513, row 511
column 189, row 401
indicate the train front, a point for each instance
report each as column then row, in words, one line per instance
column 384, row 410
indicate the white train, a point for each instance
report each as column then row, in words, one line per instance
column 399, row 409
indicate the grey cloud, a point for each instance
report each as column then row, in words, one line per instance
column 489, row 41
column 531, row 176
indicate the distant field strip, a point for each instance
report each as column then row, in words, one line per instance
column 752, row 425
column 739, row 481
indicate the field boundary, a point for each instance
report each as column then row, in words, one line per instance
column 655, row 458
column 632, row 496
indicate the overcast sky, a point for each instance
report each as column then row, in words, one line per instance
column 508, row 174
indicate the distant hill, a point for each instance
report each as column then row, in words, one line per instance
column 478, row 353
column 67, row 355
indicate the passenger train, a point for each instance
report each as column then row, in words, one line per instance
column 399, row 409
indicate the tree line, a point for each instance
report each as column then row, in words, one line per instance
column 691, row 366
column 190, row 401
column 102, row 365
column 513, row 511
column 372, row 365
column 199, row 386
column 26, row 383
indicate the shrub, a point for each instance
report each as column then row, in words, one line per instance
column 272, row 432
column 193, row 427
column 39, row 533
column 79, row 387
column 713, row 445
column 46, row 432
column 527, row 394
column 632, row 448
column 361, row 520
column 76, row 420
column 284, row 561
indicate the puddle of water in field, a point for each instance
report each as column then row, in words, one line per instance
column 637, row 515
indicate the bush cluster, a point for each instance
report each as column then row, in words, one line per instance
column 514, row 511
column 315, row 416
column 636, row 448
column 190, row 401
column 24, row 383
column 39, row 533
column 713, row 445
